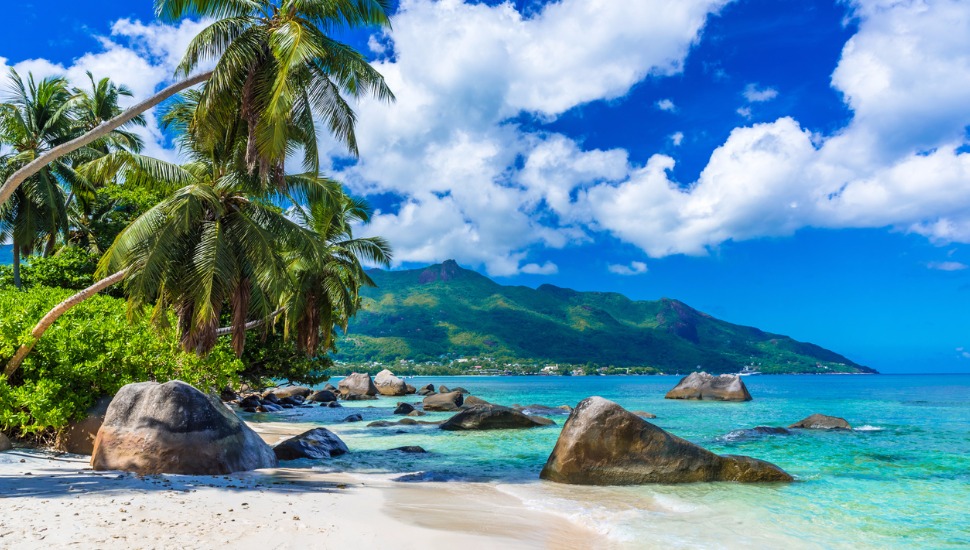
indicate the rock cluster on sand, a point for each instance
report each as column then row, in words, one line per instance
column 316, row 443
column 491, row 417
column 173, row 428
column 604, row 444
column 357, row 384
column 78, row 436
column 388, row 384
column 450, row 401
column 5, row 444
column 700, row 385
column 822, row 422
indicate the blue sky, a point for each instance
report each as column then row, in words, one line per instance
column 799, row 166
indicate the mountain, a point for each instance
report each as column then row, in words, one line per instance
column 445, row 311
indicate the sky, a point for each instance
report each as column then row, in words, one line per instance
column 800, row 166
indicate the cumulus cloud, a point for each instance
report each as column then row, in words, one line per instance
column 635, row 268
column 547, row 268
column 677, row 138
column 666, row 105
column 758, row 95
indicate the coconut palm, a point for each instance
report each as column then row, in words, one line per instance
column 277, row 59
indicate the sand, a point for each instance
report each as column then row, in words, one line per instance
column 49, row 501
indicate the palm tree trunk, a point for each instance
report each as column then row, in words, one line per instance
column 252, row 324
column 52, row 315
column 16, row 265
column 103, row 129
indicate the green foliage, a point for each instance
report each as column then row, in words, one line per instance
column 93, row 350
column 275, row 358
column 442, row 312
column 71, row 268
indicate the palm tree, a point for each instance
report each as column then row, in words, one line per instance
column 36, row 117
column 275, row 58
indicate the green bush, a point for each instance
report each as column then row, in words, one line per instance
column 92, row 350
column 71, row 267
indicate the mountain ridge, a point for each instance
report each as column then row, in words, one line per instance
column 444, row 311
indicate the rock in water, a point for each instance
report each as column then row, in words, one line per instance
column 357, row 384
column 173, row 428
column 78, row 436
column 316, row 443
column 409, row 449
column 411, row 389
column 822, row 422
column 604, row 444
column 322, row 396
column 472, row 401
column 5, row 444
column 404, row 408
column 644, row 414
column 353, row 418
column 290, row 391
column 700, row 385
column 489, row 417
column 388, row 384
column 443, row 402
column 426, row 390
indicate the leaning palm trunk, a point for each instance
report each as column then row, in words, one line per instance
column 102, row 130
column 60, row 309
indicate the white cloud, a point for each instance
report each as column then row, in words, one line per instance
column 744, row 111
column 758, row 95
column 677, row 138
column 547, row 268
column 635, row 268
column 947, row 266
column 666, row 105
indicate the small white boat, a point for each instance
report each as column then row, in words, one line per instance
column 748, row 371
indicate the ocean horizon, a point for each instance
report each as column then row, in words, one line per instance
column 900, row 477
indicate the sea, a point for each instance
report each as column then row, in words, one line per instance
column 899, row 479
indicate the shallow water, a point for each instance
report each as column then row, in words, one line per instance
column 901, row 478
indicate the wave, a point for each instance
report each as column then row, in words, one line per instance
column 868, row 428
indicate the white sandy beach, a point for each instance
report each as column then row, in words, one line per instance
column 51, row 501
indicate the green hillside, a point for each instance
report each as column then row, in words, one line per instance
column 443, row 312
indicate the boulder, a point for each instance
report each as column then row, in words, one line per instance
column 411, row 390
column 388, row 384
column 291, row 391
column 416, row 412
column 409, row 449
column 329, row 387
column 461, row 389
column 357, row 384
column 316, row 443
column 270, row 397
column 322, row 396
column 353, row 418
column 489, row 417
column 404, row 408
column 173, row 428
column 604, row 444
column 822, row 422
column 250, row 401
column 5, row 444
column 228, row 394
column 78, row 436
column 382, row 424
column 700, row 385
column 443, row 389
column 443, row 402
column 472, row 401
column 426, row 390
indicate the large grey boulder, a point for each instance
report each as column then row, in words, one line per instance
column 604, row 444
column 289, row 391
column 388, row 384
column 489, row 417
column 357, row 384
column 5, row 444
column 78, row 436
column 316, row 443
column 173, row 428
column 822, row 422
column 700, row 385
column 443, row 402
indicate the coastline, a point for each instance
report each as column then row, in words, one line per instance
column 55, row 502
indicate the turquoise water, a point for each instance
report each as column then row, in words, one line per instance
column 901, row 478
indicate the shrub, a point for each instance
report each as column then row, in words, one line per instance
column 93, row 350
column 71, row 267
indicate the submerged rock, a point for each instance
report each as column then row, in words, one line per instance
column 544, row 410
column 404, row 408
column 173, row 428
column 604, row 444
column 443, row 402
column 644, row 414
column 822, row 422
column 700, row 385
column 409, row 449
column 316, row 443
column 490, row 417
column 79, row 435
column 756, row 432
column 354, row 418
column 358, row 383
column 416, row 412
column 388, row 384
